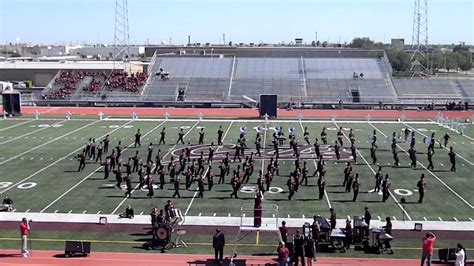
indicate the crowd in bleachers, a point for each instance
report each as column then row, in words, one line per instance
column 65, row 84
column 125, row 82
column 94, row 86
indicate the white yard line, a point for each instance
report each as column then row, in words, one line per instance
column 373, row 171
column 195, row 192
column 316, row 166
column 170, row 150
column 434, row 175
column 421, row 133
column 46, row 143
column 95, row 171
column 16, row 125
column 57, row 161
column 32, row 132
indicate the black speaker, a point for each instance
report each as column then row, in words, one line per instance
column 11, row 103
column 446, row 254
column 268, row 105
column 77, row 247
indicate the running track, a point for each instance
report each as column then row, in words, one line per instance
column 12, row 257
column 243, row 113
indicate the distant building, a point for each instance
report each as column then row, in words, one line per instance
column 398, row 44
column 298, row 41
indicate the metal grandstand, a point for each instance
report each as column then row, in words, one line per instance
column 230, row 76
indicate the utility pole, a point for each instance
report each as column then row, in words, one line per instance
column 420, row 61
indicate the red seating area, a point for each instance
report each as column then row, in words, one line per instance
column 94, row 86
column 127, row 83
column 67, row 80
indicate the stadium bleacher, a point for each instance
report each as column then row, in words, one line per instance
column 292, row 79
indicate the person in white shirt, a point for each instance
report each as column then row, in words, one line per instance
column 460, row 256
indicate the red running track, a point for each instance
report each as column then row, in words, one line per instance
column 12, row 257
column 243, row 113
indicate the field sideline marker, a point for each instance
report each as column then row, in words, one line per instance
column 195, row 193
column 57, row 161
column 439, row 179
column 373, row 171
column 125, row 198
column 93, row 172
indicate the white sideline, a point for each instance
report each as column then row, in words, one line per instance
column 373, row 171
column 467, row 226
column 16, row 125
column 435, row 176
column 57, row 161
column 421, row 133
column 89, row 175
column 46, row 143
column 278, row 120
column 31, row 132
column 195, row 193
column 169, row 151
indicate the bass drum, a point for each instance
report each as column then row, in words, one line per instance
column 163, row 235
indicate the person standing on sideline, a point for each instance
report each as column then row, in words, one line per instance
column 298, row 244
column 460, row 256
column 283, row 255
column 24, row 230
column 309, row 250
column 218, row 243
column 428, row 248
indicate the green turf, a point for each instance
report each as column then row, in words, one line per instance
column 53, row 171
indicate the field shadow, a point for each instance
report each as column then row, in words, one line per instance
column 342, row 201
column 10, row 255
column 337, row 192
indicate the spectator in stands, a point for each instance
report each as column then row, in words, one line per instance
column 428, row 248
column 218, row 243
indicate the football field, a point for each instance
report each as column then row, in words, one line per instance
column 38, row 162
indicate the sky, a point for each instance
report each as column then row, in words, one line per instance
column 269, row 21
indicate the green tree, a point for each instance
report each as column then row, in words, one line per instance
column 399, row 60
column 463, row 60
column 313, row 43
column 325, row 44
column 318, row 43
